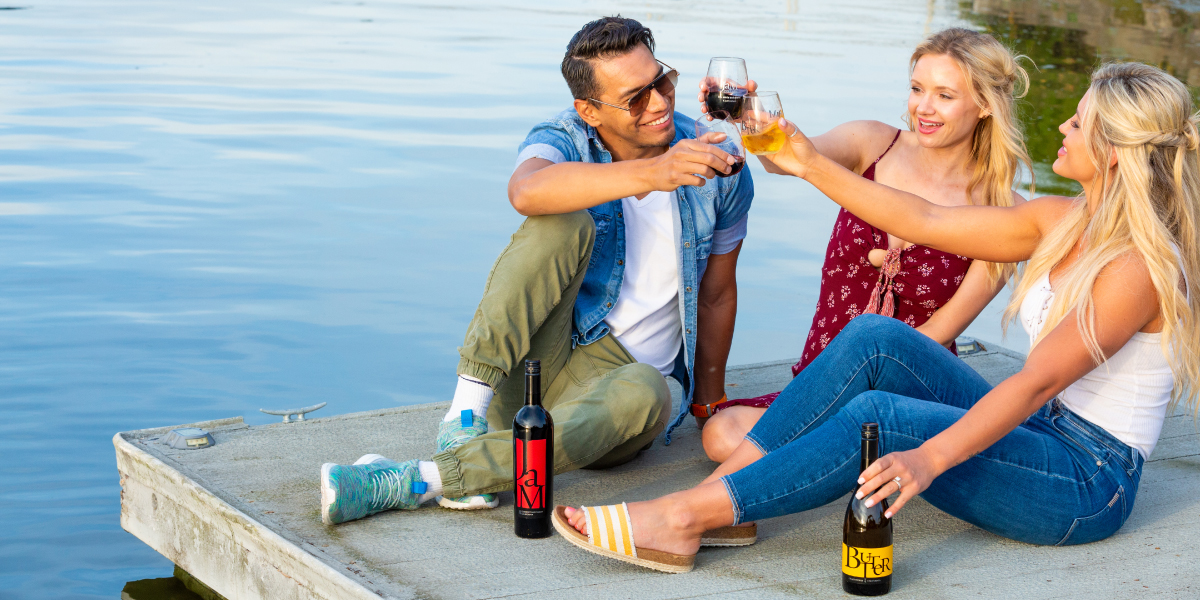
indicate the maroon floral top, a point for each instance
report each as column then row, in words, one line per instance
column 923, row 279
column 926, row 280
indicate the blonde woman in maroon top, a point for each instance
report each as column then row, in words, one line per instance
column 964, row 146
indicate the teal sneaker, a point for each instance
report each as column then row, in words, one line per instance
column 356, row 491
column 452, row 434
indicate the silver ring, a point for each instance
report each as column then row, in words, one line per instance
column 794, row 133
column 898, row 485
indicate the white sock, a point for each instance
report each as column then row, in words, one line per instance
column 471, row 394
column 432, row 478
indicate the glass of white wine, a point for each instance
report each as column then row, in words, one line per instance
column 760, row 123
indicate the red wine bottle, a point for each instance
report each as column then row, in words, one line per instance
column 867, row 534
column 533, row 459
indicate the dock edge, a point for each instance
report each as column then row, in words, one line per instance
column 218, row 544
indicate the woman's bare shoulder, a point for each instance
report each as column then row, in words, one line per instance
column 1054, row 204
column 860, row 142
column 1125, row 287
column 1047, row 210
column 868, row 127
column 866, row 133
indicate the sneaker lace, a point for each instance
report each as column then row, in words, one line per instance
column 388, row 488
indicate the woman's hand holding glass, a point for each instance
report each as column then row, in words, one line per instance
column 795, row 157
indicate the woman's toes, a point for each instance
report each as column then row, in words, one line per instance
column 575, row 518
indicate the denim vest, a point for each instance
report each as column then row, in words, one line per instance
column 720, row 203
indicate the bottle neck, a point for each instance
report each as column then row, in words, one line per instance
column 533, row 389
column 870, row 453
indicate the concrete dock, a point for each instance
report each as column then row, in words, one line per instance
column 242, row 517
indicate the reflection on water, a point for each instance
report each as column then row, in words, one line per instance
column 1066, row 39
column 182, row 586
column 163, row 588
column 208, row 208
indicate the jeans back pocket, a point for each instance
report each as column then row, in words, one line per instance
column 1096, row 527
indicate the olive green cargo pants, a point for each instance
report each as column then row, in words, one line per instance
column 606, row 406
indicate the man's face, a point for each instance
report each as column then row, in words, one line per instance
column 619, row 79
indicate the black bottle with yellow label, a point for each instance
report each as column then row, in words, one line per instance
column 867, row 534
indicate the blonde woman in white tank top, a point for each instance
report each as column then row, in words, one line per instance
column 1053, row 454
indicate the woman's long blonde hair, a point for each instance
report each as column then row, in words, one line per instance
column 1149, row 207
column 996, row 81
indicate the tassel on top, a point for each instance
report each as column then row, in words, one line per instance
column 884, row 289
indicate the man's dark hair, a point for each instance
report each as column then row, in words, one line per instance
column 603, row 39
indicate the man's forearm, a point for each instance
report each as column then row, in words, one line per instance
column 572, row 186
column 714, row 337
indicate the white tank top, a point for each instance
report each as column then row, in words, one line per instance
column 1128, row 394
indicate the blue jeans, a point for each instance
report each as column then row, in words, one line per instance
column 1055, row 479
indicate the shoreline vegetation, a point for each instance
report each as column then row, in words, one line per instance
column 1067, row 40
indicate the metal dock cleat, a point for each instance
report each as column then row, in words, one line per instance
column 297, row 412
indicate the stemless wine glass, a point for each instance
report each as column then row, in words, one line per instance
column 760, row 123
column 731, row 144
column 725, row 86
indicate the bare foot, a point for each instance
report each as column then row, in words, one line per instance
column 661, row 524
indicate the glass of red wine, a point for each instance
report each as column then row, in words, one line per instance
column 717, row 122
column 725, row 86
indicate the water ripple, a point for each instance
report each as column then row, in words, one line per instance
column 212, row 206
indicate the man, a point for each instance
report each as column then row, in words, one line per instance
column 623, row 273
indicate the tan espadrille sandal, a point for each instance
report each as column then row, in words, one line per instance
column 730, row 536
column 610, row 534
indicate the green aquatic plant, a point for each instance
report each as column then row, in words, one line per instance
column 1065, row 41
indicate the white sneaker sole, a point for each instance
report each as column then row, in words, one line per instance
column 328, row 494
column 367, row 459
column 475, row 503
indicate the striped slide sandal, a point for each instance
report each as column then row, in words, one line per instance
column 610, row 534
column 730, row 536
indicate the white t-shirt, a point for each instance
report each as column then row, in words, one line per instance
column 645, row 318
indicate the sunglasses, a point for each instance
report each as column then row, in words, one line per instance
column 665, row 84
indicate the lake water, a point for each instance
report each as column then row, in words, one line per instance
column 210, row 208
